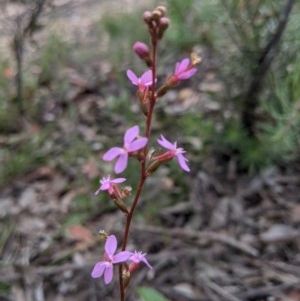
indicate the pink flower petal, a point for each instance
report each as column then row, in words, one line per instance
column 108, row 274
column 145, row 261
column 146, row 78
column 137, row 144
column 105, row 186
column 97, row 192
column 182, row 162
column 165, row 143
column 122, row 256
column 98, row 269
column 111, row 245
column 121, row 163
column 137, row 257
column 118, row 180
column 182, row 65
column 133, row 78
column 177, row 68
column 131, row 134
column 112, row 153
column 187, row 74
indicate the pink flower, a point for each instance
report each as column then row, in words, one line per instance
column 183, row 70
column 110, row 258
column 111, row 186
column 131, row 145
column 174, row 151
column 143, row 82
column 138, row 257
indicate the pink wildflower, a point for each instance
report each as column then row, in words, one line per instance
column 183, row 70
column 143, row 82
column 110, row 258
column 173, row 151
column 111, row 186
column 131, row 145
column 136, row 258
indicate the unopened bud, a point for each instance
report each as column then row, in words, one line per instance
column 163, row 25
column 156, row 14
column 147, row 16
column 126, row 191
column 162, row 10
column 141, row 49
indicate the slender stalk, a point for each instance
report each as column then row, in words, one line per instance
column 142, row 164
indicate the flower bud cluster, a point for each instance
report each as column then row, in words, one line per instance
column 156, row 21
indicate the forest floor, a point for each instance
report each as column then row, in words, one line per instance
column 224, row 236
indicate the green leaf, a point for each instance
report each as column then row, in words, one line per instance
column 150, row 294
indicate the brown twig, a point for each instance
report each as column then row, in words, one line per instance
column 226, row 296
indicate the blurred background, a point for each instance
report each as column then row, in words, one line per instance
column 228, row 230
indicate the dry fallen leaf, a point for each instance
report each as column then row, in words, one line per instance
column 81, row 235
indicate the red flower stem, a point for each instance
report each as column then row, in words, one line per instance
column 142, row 164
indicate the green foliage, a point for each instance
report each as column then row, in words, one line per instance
column 191, row 23
column 53, row 55
column 120, row 28
column 150, row 294
column 249, row 27
column 19, row 157
column 4, row 288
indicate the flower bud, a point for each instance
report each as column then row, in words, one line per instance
column 147, row 16
column 141, row 49
column 163, row 25
column 156, row 14
column 162, row 10
column 126, row 191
